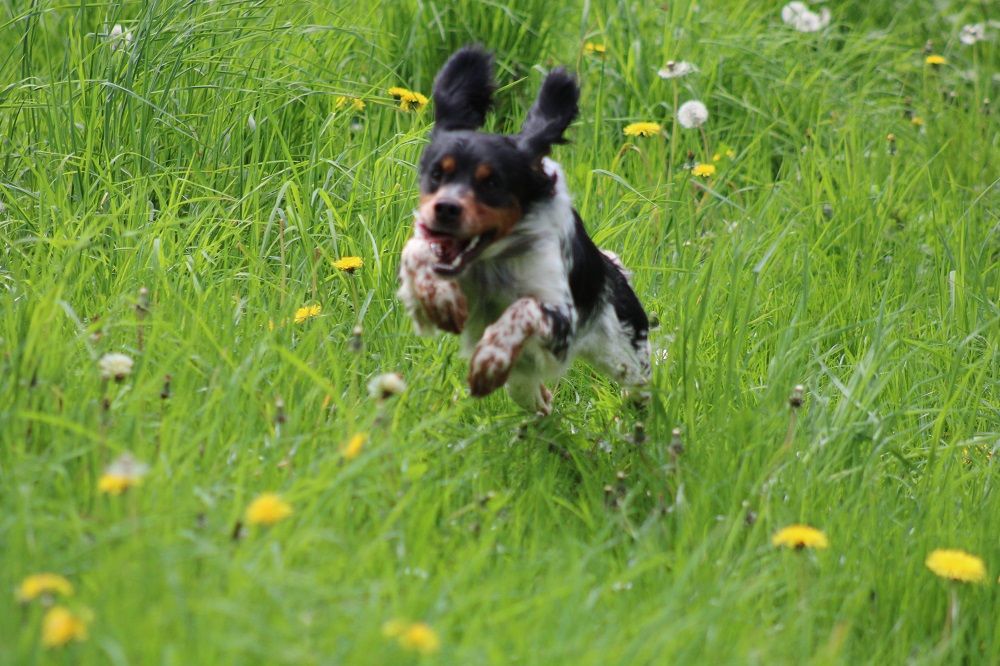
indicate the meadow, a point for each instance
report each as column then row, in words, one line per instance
column 180, row 189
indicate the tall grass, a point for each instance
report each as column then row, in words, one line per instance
column 820, row 254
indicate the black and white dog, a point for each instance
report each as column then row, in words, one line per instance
column 500, row 256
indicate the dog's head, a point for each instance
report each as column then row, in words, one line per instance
column 475, row 187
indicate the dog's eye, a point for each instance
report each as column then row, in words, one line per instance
column 491, row 182
column 436, row 174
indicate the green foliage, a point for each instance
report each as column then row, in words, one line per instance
column 820, row 253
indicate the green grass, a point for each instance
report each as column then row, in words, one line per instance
column 815, row 256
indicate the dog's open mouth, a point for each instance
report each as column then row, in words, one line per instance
column 455, row 253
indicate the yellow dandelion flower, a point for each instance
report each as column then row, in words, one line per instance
column 267, row 509
column 595, row 48
column 352, row 449
column 800, row 536
column 956, row 565
column 409, row 100
column 112, row 484
column 731, row 154
column 935, row 60
column 716, row 157
column 37, row 585
column 703, row 170
column 419, row 637
column 307, row 312
column 60, row 626
column 123, row 473
column 348, row 264
column 917, row 121
column 344, row 101
column 642, row 129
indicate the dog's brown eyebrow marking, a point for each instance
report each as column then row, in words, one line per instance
column 483, row 171
column 448, row 164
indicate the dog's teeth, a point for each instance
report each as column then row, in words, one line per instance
column 475, row 241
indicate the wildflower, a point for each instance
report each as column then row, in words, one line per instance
column 935, row 60
column 60, row 626
column 703, row 170
column 352, row 449
column 348, row 264
column 800, row 536
column 917, row 121
column 595, row 48
column 119, row 38
column 37, row 585
column 409, row 100
column 642, row 129
column 956, row 565
column 251, row 123
column 419, row 637
column 267, row 509
column 122, row 474
column 115, row 366
column 692, row 114
column 731, row 154
column 675, row 69
column 344, row 101
column 386, row 385
column 307, row 312
column 972, row 33
column 799, row 16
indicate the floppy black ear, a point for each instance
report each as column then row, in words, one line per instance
column 551, row 114
column 463, row 90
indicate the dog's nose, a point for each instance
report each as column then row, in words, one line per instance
column 447, row 212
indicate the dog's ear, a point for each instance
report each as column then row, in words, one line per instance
column 551, row 114
column 463, row 90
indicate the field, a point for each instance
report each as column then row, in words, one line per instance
column 179, row 188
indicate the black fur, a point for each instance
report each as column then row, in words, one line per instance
column 626, row 303
column 463, row 90
column 556, row 107
column 587, row 275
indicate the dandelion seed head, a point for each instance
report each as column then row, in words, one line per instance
column 692, row 114
column 674, row 69
column 799, row 16
column 386, row 385
column 115, row 366
column 972, row 33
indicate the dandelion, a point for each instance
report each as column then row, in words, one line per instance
column 307, row 312
column 675, row 69
column 119, row 38
column 642, row 129
column 935, row 60
column 917, row 121
column 409, row 100
column 345, row 101
column 956, row 565
column 703, row 170
column 419, row 637
column 799, row 16
column 972, row 33
column 115, row 366
column 595, row 48
column 386, row 385
column 43, row 584
column 122, row 474
column 352, row 449
column 60, row 626
column 267, row 509
column 800, row 536
column 692, row 114
column 348, row 264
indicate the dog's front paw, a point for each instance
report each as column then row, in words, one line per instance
column 445, row 305
column 489, row 368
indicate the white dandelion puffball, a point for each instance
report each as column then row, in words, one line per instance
column 674, row 69
column 800, row 17
column 126, row 466
column 118, row 38
column 115, row 366
column 692, row 114
column 972, row 33
column 386, row 385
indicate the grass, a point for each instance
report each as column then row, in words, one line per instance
column 820, row 254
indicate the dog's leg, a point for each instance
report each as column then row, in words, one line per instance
column 502, row 341
column 530, row 394
column 432, row 302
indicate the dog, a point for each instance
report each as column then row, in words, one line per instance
column 500, row 256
